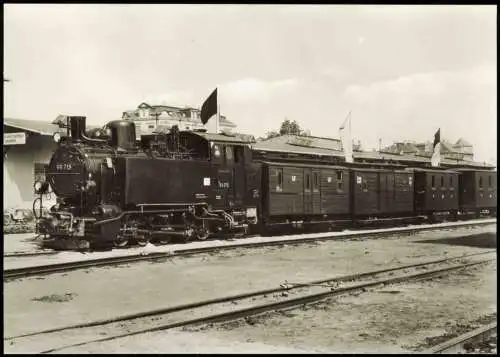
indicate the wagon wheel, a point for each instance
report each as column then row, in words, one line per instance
column 120, row 241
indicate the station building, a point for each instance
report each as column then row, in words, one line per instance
column 27, row 148
column 147, row 117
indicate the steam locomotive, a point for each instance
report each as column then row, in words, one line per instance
column 114, row 191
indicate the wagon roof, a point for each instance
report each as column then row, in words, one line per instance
column 434, row 170
column 474, row 170
column 334, row 167
column 303, row 165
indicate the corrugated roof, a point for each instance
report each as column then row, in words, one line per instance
column 234, row 138
column 323, row 147
column 311, row 145
column 35, row 126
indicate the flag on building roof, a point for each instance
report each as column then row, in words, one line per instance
column 436, row 149
column 209, row 107
column 345, row 137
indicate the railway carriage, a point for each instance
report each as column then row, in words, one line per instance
column 300, row 194
column 436, row 192
column 380, row 194
column 478, row 192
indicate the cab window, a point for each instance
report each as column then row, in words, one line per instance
column 239, row 154
column 216, row 151
column 229, row 155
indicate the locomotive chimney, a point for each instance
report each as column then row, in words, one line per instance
column 77, row 125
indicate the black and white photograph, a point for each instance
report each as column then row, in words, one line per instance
column 249, row 178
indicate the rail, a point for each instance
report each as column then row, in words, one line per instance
column 457, row 344
column 63, row 267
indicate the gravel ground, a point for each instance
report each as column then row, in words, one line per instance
column 61, row 299
column 419, row 314
column 19, row 243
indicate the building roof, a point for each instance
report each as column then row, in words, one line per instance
column 35, row 126
column 462, row 142
column 160, row 107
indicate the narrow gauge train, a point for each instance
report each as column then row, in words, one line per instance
column 190, row 185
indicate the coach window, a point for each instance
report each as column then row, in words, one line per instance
column 433, row 181
column 365, row 186
column 490, row 181
column 308, row 182
column 480, row 182
column 340, row 179
column 451, row 181
column 279, row 183
column 442, row 181
column 315, row 182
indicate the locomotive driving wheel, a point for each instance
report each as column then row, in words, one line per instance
column 202, row 233
column 120, row 241
column 142, row 238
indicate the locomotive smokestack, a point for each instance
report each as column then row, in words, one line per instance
column 77, row 125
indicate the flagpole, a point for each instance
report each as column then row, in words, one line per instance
column 350, row 133
column 218, row 114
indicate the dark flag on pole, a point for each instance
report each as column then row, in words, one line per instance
column 209, row 107
column 436, row 149
column 437, row 138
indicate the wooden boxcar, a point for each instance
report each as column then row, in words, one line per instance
column 298, row 191
column 436, row 191
column 382, row 193
column 478, row 191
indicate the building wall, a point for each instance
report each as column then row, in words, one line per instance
column 19, row 170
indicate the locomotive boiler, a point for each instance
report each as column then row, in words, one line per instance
column 113, row 191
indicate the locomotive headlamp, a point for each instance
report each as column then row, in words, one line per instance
column 41, row 187
column 37, row 186
column 56, row 137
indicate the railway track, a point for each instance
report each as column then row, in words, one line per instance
column 30, row 271
column 28, row 254
column 461, row 343
column 226, row 308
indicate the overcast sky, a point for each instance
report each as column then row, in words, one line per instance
column 404, row 71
